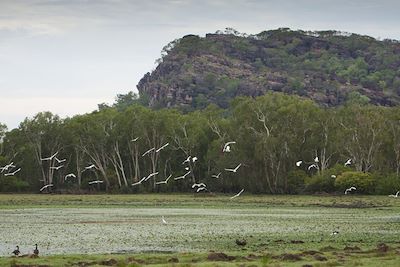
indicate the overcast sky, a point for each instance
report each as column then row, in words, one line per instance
column 68, row 56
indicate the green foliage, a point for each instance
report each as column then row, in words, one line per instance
column 387, row 184
column 296, row 181
column 13, row 184
column 364, row 182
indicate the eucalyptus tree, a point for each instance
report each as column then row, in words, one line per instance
column 94, row 132
column 363, row 129
column 191, row 137
column 3, row 130
column 157, row 129
column 43, row 133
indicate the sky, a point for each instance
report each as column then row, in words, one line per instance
column 68, row 56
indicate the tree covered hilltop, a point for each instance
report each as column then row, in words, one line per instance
column 329, row 67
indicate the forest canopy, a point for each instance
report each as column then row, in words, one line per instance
column 272, row 132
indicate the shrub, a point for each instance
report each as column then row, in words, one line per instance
column 325, row 182
column 364, row 182
column 12, row 184
column 387, row 184
column 295, row 181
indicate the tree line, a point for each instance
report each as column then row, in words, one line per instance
column 272, row 133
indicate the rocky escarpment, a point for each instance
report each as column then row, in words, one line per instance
column 329, row 67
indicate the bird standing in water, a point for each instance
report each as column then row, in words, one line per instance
column 36, row 251
column 16, row 252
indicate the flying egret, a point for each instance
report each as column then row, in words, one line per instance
column 235, row 169
column 238, row 194
column 397, row 194
column 5, row 168
column 12, row 173
column 316, row 159
column 194, row 159
column 49, row 158
column 164, row 146
column 182, row 177
column 95, row 182
column 349, row 190
column 166, row 181
column 135, row 139
column 90, row 167
column 57, row 167
column 69, row 175
column 348, row 162
column 312, row 166
column 333, row 176
column 227, row 147
column 298, row 163
column 216, row 175
column 187, row 168
column 151, row 175
column 60, row 160
column 198, row 185
column 140, row 182
column 46, row 186
column 163, row 220
column 201, row 189
column 187, row 160
column 148, row 151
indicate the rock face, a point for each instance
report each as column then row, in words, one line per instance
column 329, row 67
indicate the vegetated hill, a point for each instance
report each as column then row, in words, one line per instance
column 329, row 67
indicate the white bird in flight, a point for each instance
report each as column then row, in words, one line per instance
column 227, row 147
column 235, row 169
column 60, row 160
column 333, row 176
column 194, row 159
column 12, row 173
column 238, row 194
column 182, row 177
column 349, row 190
column 165, row 181
column 49, row 158
column 198, row 185
column 46, row 186
column 187, row 160
column 216, row 175
column 348, row 162
column 316, row 159
column 201, row 189
column 135, row 139
column 90, row 167
column 96, row 182
column 148, row 151
column 163, row 220
column 151, row 175
column 397, row 194
column 5, row 168
column 298, row 163
column 140, row 182
column 164, row 146
column 69, row 175
column 312, row 166
column 57, row 167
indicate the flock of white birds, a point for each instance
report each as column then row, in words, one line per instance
column 11, row 169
